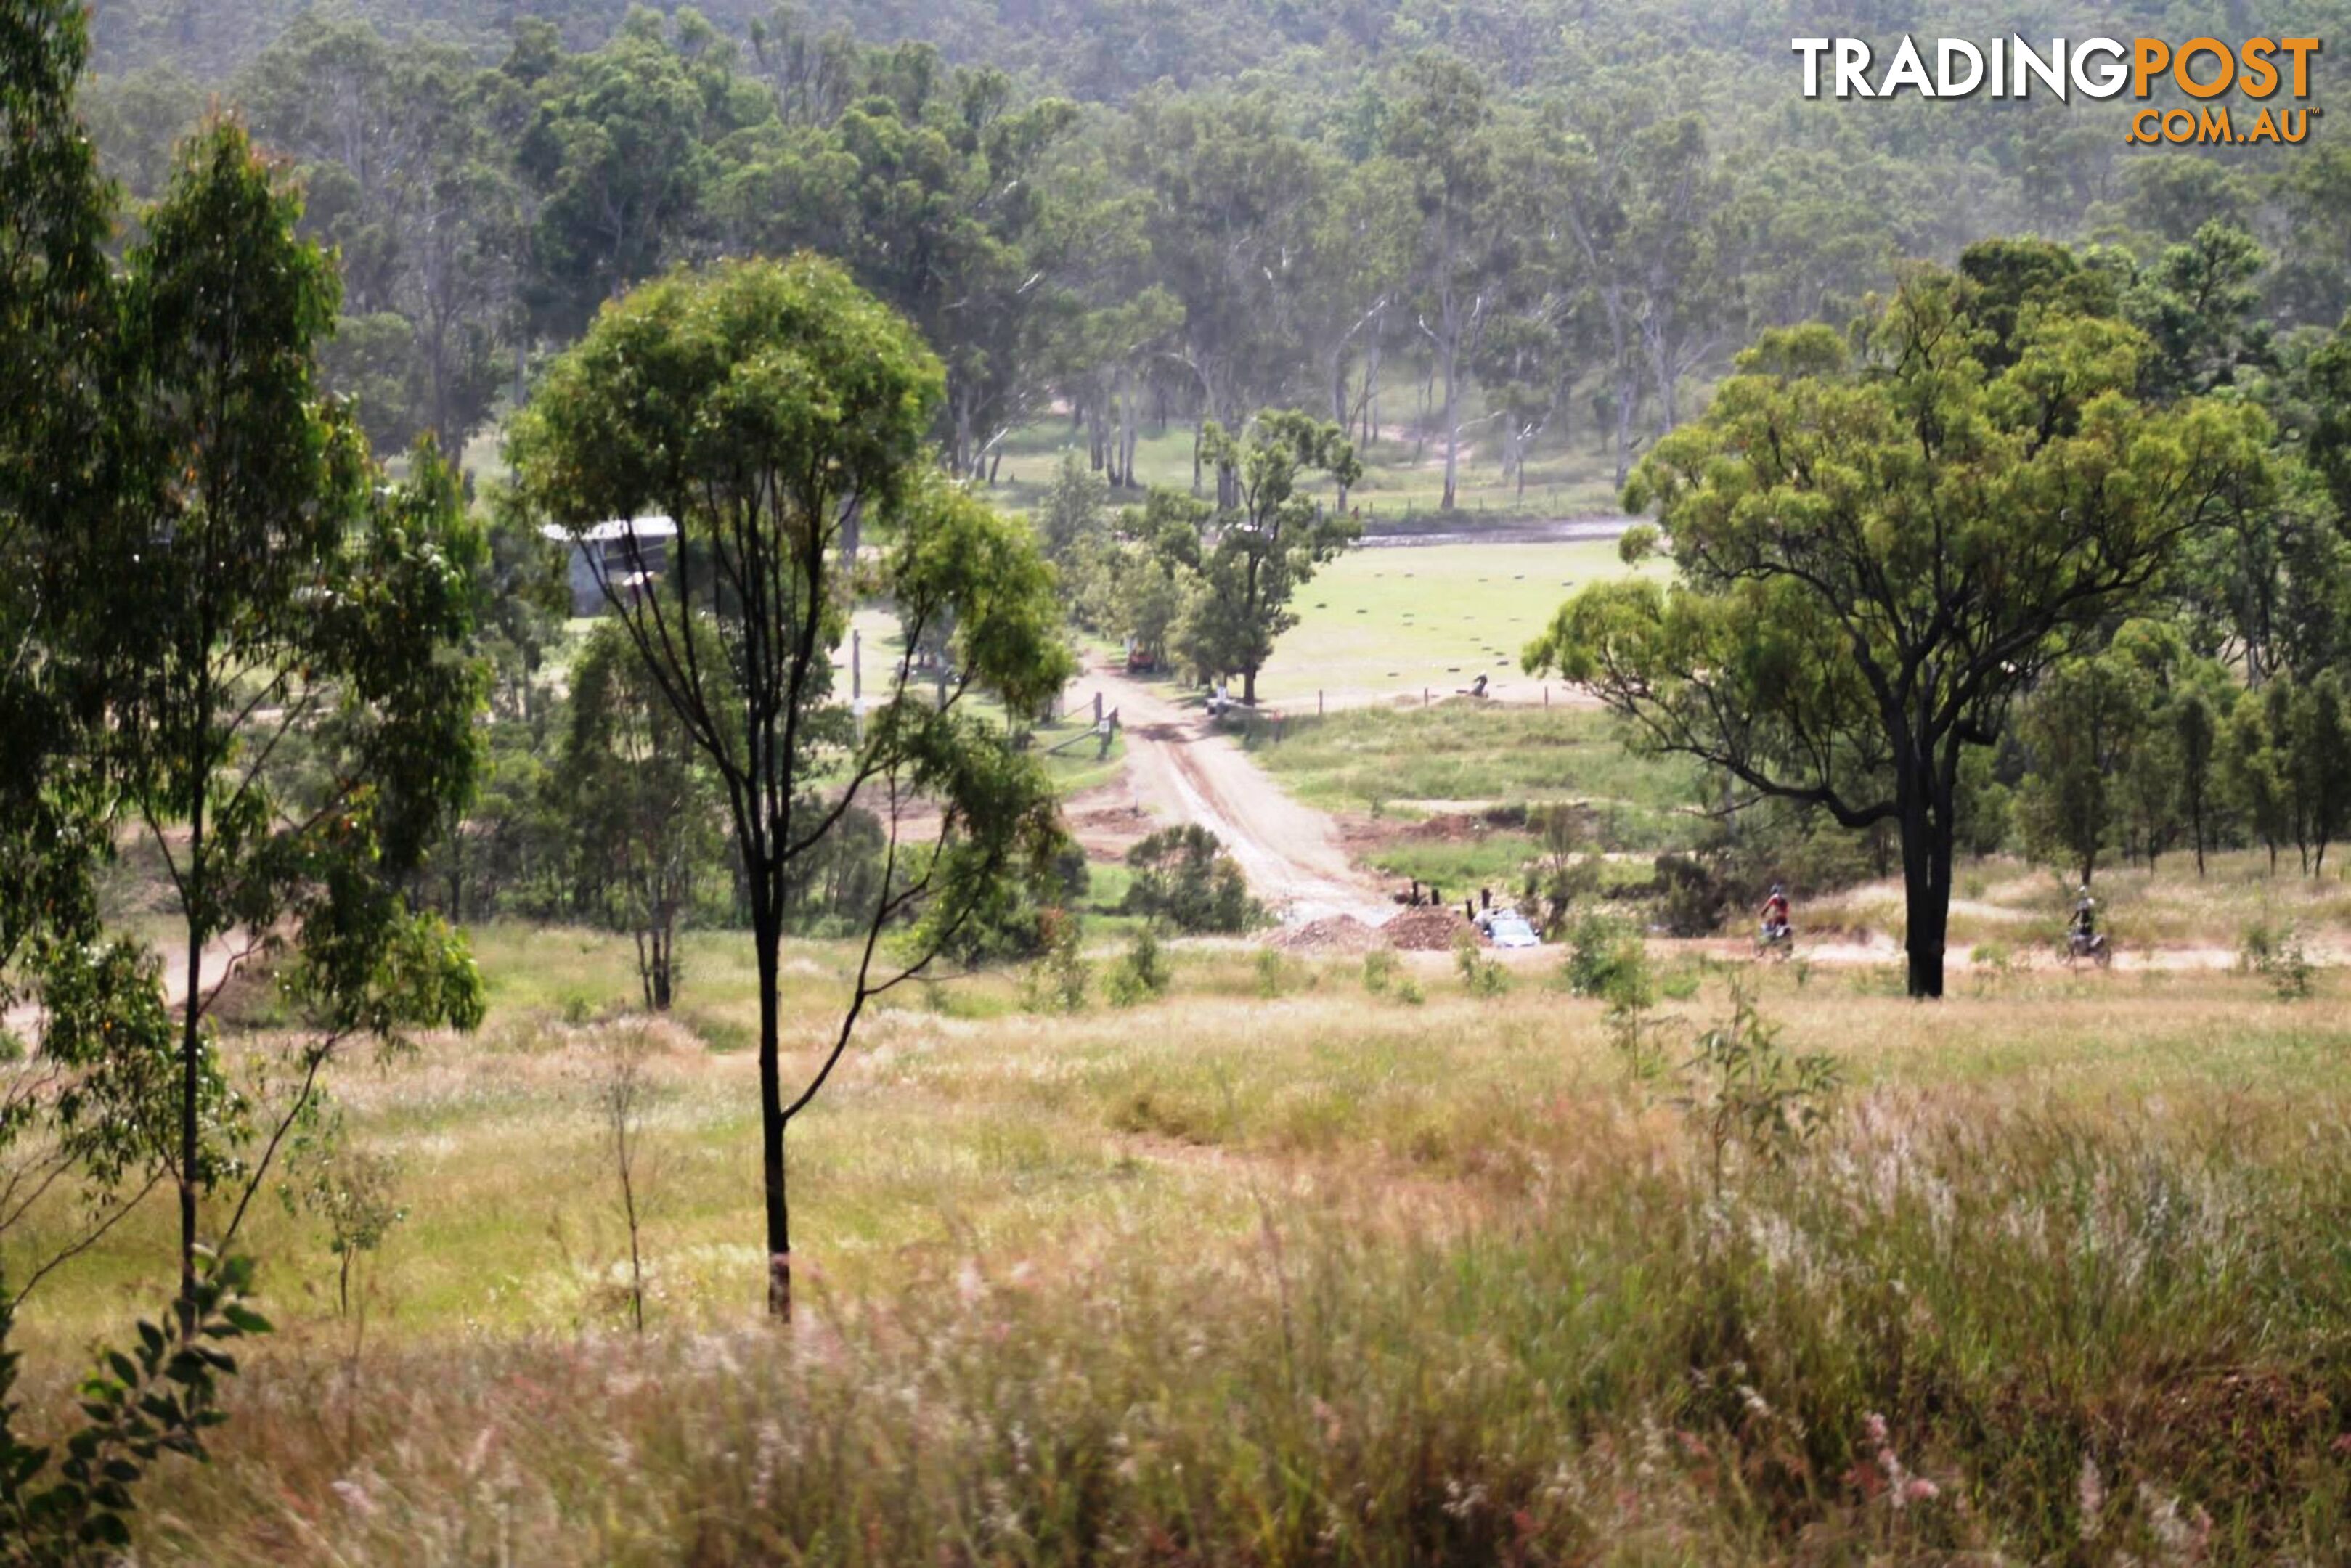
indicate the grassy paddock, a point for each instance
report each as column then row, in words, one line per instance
column 1398, row 755
column 1576, row 477
column 1285, row 1268
column 1396, row 620
column 2004, row 903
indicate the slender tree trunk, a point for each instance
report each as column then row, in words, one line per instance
column 1452, row 409
column 191, row 1044
column 1131, row 437
column 1249, row 687
column 767, row 935
column 1628, row 400
column 664, row 960
column 1927, row 844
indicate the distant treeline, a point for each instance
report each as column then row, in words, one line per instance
column 1543, row 213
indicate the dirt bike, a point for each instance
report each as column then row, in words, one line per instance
column 1775, row 941
column 2093, row 946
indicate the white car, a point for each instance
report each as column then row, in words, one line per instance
column 1509, row 928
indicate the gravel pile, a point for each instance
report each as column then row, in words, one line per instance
column 1331, row 933
column 1427, row 930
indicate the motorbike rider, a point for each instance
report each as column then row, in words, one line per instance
column 2085, row 916
column 1775, row 913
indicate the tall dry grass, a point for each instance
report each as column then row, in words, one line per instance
column 1958, row 1325
column 1332, row 1279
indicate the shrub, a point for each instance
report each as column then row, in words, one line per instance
column 2277, row 955
column 1742, row 1088
column 72, row 1502
column 1379, row 969
column 1140, row 973
column 1608, row 961
column 1057, row 981
column 1183, row 876
column 1691, row 896
column 1480, row 976
column 1272, row 974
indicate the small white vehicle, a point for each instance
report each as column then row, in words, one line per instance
column 1509, row 928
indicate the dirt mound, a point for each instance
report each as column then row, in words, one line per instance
column 1465, row 826
column 1331, row 933
column 1427, row 930
column 1107, row 831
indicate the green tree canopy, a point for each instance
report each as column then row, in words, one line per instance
column 1251, row 559
column 761, row 405
column 275, row 634
column 1881, row 544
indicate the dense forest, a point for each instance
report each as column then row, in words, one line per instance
column 1547, row 215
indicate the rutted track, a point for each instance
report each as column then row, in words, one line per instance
column 1184, row 771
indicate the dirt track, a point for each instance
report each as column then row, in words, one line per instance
column 1182, row 770
column 222, row 955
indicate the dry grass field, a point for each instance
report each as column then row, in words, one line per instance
column 1313, row 1262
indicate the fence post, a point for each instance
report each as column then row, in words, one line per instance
column 1318, row 702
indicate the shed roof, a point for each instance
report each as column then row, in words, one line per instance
column 649, row 527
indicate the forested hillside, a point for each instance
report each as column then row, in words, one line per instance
column 1543, row 216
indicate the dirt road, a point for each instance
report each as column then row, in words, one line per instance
column 1558, row 530
column 222, row 955
column 1182, row 770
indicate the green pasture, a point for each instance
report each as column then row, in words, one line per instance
column 1396, row 621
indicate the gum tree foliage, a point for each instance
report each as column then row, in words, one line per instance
column 1182, row 875
column 1881, row 543
column 1441, row 140
column 761, row 404
column 91, row 1108
column 274, row 636
column 2083, row 729
column 641, row 803
column 70, row 1503
column 1250, row 558
column 2311, row 726
column 55, row 295
column 198, row 573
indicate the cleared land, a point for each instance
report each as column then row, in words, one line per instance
column 1383, row 622
column 1289, row 1268
column 1319, row 1260
column 1462, row 755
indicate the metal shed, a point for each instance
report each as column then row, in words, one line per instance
column 628, row 552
